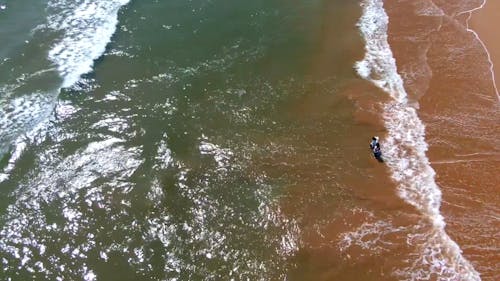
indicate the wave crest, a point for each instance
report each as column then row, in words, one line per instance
column 405, row 149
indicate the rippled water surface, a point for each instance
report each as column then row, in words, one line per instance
column 228, row 140
column 134, row 137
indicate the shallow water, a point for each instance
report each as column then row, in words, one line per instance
column 210, row 140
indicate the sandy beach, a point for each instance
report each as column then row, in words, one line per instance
column 216, row 140
column 446, row 70
column 485, row 23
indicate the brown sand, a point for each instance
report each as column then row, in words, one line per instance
column 333, row 184
column 439, row 73
column 334, row 187
column 445, row 68
column 485, row 23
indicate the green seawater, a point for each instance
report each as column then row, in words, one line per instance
column 172, row 158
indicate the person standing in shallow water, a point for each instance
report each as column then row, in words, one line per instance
column 375, row 147
column 374, row 143
column 376, row 151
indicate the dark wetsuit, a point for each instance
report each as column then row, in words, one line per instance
column 377, row 152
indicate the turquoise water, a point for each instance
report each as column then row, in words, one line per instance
column 162, row 150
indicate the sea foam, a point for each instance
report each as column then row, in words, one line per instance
column 87, row 27
column 404, row 148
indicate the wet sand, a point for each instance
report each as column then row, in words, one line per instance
column 446, row 70
column 485, row 23
column 353, row 224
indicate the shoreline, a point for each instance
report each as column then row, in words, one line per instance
column 409, row 164
column 442, row 67
column 483, row 22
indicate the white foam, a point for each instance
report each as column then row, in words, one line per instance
column 405, row 145
column 369, row 236
column 23, row 121
column 428, row 8
column 20, row 113
column 221, row 155
column 112, row 123
column 87, row 28
column 27, row 123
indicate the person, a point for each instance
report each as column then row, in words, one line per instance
column 373, row 143
column 376, row 151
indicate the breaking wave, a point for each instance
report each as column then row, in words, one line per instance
column 87, row 28
column 405, row 149
column 83, row 29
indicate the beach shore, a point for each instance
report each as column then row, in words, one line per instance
column 485, row 23
column 447, row 72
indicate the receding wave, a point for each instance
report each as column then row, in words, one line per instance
column 405, row 148
column 83, row 28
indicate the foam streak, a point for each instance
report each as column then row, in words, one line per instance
column 87, row 28
column 405, row 149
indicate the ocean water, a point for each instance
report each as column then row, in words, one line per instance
column 218, row 140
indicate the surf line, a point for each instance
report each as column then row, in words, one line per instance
column 406, row 146
column 87, row 28
column 467, row 27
